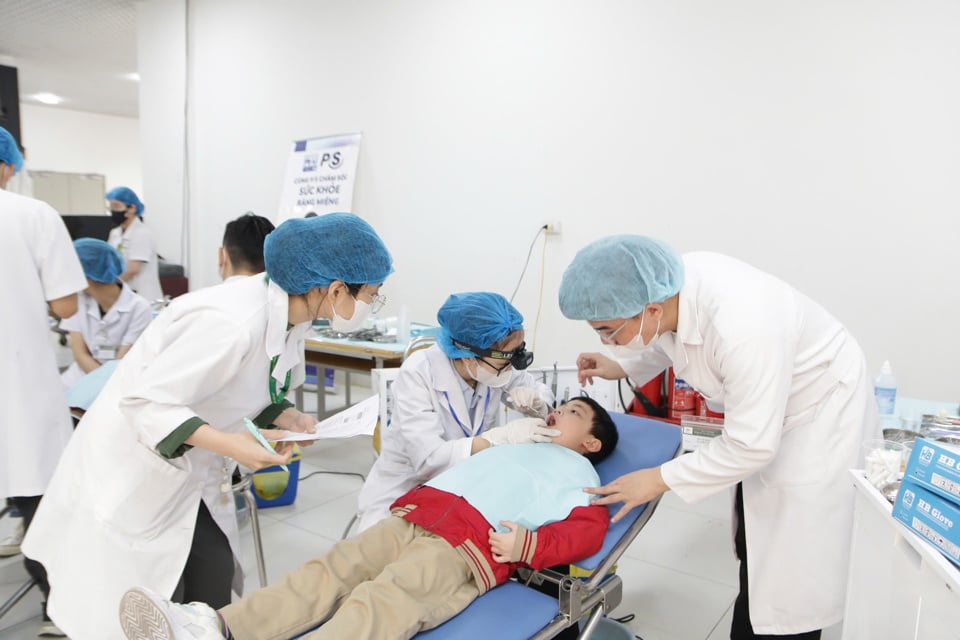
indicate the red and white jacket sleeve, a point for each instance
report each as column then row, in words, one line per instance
column 574, row 538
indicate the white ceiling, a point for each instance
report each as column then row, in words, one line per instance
column 80, row 50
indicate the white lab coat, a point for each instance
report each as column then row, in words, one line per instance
column 795, row 390
column 136, row 243
column 431, row 428
column 103, row 335
column 117, row 514
column 39, row 264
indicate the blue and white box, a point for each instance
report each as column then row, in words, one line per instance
column 935, row 466
column 933, row 518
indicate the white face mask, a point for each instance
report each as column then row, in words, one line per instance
column 361, row 311
column 636, row 346
column 494, row 380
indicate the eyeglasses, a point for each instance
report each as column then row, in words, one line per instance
column 519, row 358
column 607, row 337
column 377, row 301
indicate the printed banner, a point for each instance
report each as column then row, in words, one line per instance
column 320, row 176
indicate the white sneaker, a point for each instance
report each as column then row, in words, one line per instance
column 144, row 615
column 10, row 546
column 49, row 630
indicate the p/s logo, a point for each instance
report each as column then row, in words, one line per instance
column 331, row 160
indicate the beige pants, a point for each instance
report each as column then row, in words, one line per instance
column 391, row 581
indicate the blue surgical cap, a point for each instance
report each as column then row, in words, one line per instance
column 304, row 253
column 100, row 261
column 617, row 276
column 479, row 319
column 9, row 151
column 127, row 196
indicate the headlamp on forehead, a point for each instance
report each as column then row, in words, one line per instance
column 519, row 358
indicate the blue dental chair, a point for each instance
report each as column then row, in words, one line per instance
column 518, row 612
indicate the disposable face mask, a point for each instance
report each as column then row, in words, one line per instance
column 636, row 346
column 361, row 311
column 487, row 377
column 118, row 216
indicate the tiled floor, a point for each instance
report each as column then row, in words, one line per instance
column 679, row 576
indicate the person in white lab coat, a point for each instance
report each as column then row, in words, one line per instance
column 446, row 400
column 794, row 386
column 110, row 316
column 143, row 493
column 40, row 267
column 241, row 252
column 134, row 240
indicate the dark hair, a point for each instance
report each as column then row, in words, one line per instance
column 243, row 241
column 603, row 429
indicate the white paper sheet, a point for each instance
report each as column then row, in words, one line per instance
column 358, row 420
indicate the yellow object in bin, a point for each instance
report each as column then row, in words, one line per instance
column 578, row 572
column 274, row 487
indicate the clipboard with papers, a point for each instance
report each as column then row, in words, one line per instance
column 357, row 420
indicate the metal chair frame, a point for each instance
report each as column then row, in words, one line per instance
column 22, row 590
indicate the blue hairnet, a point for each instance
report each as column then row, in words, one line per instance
column 479, row 319
column 127, row 196
column 9, row 152
column 617, row 276
column 100, row 261
column 304, row 253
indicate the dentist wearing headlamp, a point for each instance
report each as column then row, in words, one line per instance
column 446, row 400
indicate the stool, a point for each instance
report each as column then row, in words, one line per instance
column 242, row 488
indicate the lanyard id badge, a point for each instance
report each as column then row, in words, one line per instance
column 467, row 433
column 276, row 397
column 106, row 352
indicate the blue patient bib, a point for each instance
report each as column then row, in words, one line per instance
column 530, row 484
column 82, row 394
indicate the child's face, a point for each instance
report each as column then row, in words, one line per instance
column 574, row 420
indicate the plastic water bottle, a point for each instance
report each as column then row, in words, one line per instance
column 885, row 390
column 403, row 325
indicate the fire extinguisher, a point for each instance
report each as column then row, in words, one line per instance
column 681, row 397
column 648, row 399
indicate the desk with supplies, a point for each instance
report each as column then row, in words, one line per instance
column 350, row 356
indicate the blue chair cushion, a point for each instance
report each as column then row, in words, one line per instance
column 515, row 611
column 508, row 612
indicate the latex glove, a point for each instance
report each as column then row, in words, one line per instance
column 528, row 402
column 522, row 431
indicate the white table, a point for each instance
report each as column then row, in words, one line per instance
column 350, row 356
column 899, row 587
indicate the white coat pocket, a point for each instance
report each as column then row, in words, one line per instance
column 141, row 495
column 801, row 450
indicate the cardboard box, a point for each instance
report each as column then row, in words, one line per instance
column 699, row 430
column 931, row 517
column 936, row 467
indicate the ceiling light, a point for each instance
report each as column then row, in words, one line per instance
column 133, row 77
column 47, row 98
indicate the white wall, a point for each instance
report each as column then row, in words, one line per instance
column 70, row 141
column 161, row 54
column 815, row 139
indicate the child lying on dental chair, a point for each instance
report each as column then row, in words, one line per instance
column 432, row 557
